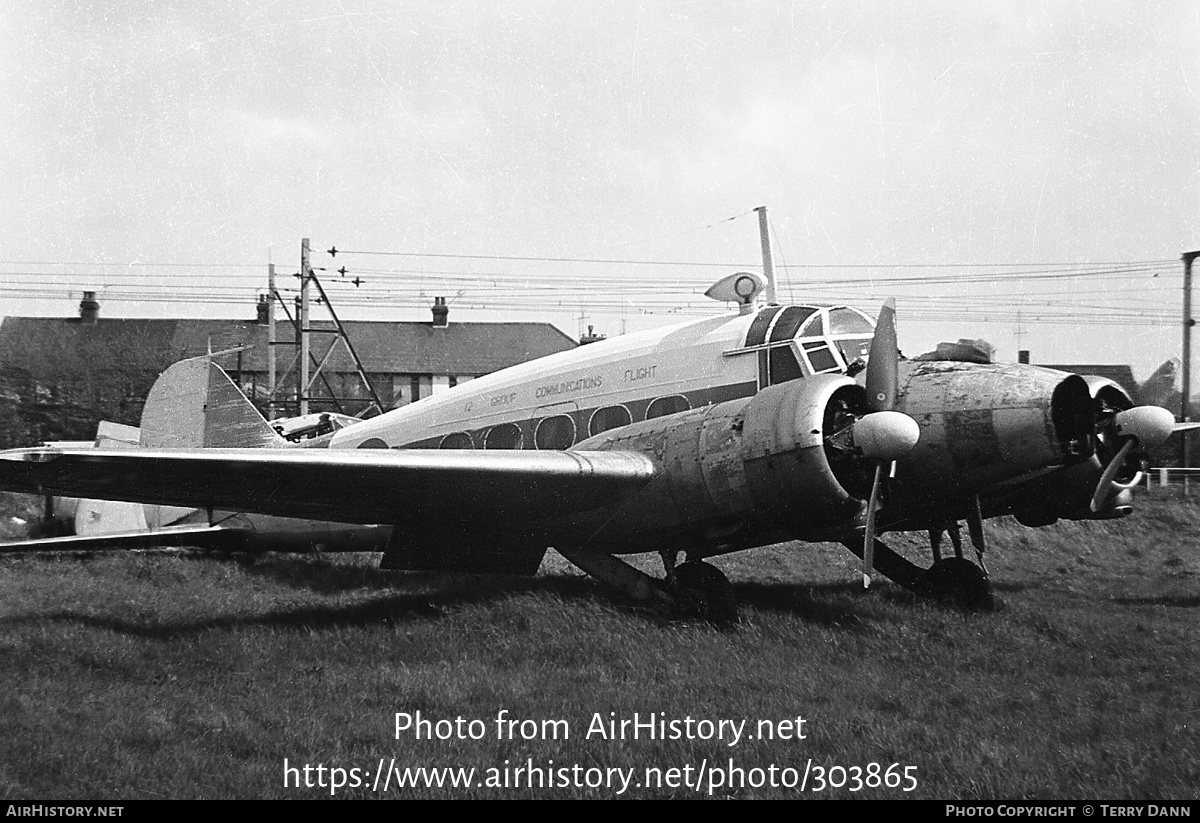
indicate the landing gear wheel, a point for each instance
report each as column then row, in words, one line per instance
column 958, row 583
column 703, row 591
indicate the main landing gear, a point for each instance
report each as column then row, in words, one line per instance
column 700, row 590
column 959, row 583
column 953, row 581
column 691, row 590
column 956, row 581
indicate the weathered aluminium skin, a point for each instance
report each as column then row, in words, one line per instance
column 766, row 452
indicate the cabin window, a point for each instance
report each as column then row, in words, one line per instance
column 457, row 440
column 504, row 436
column 663, row 406
column 373, row 443
column 557, row 432
column 609, row 417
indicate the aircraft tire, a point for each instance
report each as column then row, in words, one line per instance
column 703, row 591
column 960, row 584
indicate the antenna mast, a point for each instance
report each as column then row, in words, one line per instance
column 768, row 266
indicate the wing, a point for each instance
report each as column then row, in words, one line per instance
column 347, row 486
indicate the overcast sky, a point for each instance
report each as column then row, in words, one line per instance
column 877, row 133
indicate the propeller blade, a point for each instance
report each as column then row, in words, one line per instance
column 883, row 434
column 883, row 361
column 1105, row 486
column 869, row 530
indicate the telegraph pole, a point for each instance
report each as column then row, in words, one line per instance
column 1188, row 322
column 272, row 296
column 305, row 276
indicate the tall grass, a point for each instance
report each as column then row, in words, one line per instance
column 141, row 675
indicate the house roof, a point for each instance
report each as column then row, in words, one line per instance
column 67, row 345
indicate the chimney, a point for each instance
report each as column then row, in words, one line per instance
column 89, row 309
column 263, row 309
column 441, row 313
column 590, row 337
column 1023, row 356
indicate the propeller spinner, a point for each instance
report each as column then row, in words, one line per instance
column 1147, row 426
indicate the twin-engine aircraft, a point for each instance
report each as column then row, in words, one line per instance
column 780, row 423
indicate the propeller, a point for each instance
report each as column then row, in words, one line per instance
column 1147, row 426
column 883, row 434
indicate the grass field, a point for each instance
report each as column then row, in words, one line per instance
column 142, row 676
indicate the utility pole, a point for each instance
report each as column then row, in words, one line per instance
column 272, row 296
column 764, row 237
column 305, row 276
column 1188, row 322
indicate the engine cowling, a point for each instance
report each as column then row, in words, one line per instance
column 793, row 476
column 1076, row 485
column 988, row 424
column 744, row 472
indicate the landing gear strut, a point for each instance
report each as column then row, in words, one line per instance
column 951, row 581
column 956, row 581
column 692, row 589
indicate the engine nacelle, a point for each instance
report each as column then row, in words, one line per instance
column 784, row 453
column 740, row 473
column 1073, row 487
column 985, row 424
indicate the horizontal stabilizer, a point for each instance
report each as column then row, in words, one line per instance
column 201, row 536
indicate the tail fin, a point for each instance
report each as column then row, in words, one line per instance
column 1163, row 387
column 194, row 404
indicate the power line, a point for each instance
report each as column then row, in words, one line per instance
column 630, row 262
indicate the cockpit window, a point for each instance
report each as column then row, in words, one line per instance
column 849, row 321
column 789, row 321
column 758, row 328
column 854, row 349
column 812, row 328
column 791, row 342
column 783, row 365
column 821, row 358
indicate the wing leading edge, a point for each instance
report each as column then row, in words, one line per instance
column 347, row 486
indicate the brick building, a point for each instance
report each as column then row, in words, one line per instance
column 60, row 376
